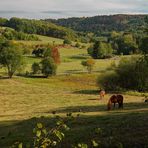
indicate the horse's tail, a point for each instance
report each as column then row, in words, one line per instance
column 109, row 104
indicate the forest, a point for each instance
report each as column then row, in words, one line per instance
column 102, row 24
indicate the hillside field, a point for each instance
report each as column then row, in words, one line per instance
column 26, row 101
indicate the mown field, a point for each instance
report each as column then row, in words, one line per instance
column 26, row 101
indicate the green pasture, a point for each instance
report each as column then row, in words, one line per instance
column 26, row 101
column 71, row 59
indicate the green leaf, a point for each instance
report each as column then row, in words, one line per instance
column 44, row 131
column 59, row 135
column 66, row 127
column 82, row 145
column 20, row 145
column 38, row 133
column 95, row 144
column 54, row 143
column 34, row 130
column 39, row 125
column 59, row 123
column 98, row 131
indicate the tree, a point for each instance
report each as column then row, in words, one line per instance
column 89, row 63
column 146, row 21
column 66, row 41
column 48, row 67
column 10, row 57
column 35, row 68
column 78, row 45
column 3, row 21
column 41, row 28
column 101, row 50
column 130, row 74
column 38, row 52
column 47, row 52
column 144, row 45
column 55, row 55
column 126, row 44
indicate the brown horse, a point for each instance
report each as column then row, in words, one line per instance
column 115, row 99
column 102, row 94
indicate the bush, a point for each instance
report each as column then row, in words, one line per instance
column 89, row 63
column 131, row 74
column 48, row 67
column 56, row 136
column 67, row 41
column 109, row 81
column 90, row 50
column 78, row 45
column 35, row 68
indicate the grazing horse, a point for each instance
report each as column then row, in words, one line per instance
column 102, row 94
column 115, row 99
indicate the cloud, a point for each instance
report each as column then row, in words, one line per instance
column 85, row 6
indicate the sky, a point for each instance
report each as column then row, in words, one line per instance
column 70, row 8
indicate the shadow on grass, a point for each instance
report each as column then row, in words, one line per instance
column 129, row 128
column 74, row 71
column 87, row 92
column 101, row 108
column 31, row 76
column 79, row 57
column 80, row 109
column 4, row 77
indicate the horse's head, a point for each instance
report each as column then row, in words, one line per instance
column 109, row 105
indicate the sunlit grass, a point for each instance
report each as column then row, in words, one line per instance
column 72, row 90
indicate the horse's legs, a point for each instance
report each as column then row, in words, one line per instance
column 119, row 105
column 122, row 105
column 114, row 105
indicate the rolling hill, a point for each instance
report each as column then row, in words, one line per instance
column 106, row 23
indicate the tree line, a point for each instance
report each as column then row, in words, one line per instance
column 11, row 34
column 38, row 27
column 102, row 24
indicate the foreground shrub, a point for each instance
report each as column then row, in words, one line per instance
column 54, row 136
column 46, row 138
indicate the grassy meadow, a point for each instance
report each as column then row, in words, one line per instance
column 26, row 101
